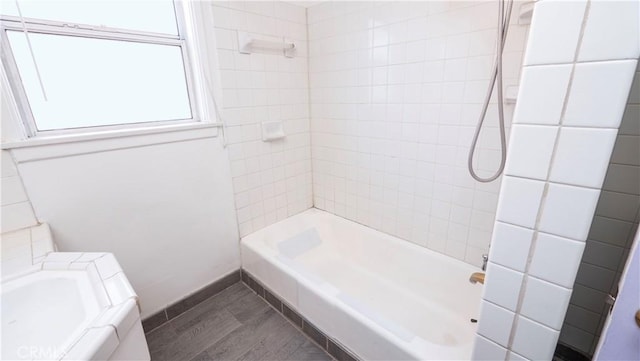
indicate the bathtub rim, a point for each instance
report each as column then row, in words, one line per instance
column 256, row 243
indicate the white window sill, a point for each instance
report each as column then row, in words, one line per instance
column 47, row 147
column 82, row 137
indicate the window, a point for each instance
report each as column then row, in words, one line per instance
column 96, row 64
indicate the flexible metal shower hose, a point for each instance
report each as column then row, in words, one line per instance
column 504, row 14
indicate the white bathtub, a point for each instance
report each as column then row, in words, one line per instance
column 381, row 297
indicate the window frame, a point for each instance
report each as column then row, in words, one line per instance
column 54, row 27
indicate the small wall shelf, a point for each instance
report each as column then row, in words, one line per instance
column 247, row 44
column 526, row 13
column 511, row 94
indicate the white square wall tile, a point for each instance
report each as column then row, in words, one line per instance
column 484, row 349
column 582, row 156
column 502, row 286
column 554, row 32
column 17, row 239
column 568, row 211
column 533, row 340
column 545, row 302
column 510, row 246
column 8, row 168
column 530, row 150
column 556, row 259
column 519, row 201
column 611, row 31
column 119, row 289
column 107, row 266
column 495, row 323
column 515, row 357
column 41, row 233
column 12, row 191
column 541, row 94
column 599, row 93
column 63, row 257
column 16, row 216
column 96, row 343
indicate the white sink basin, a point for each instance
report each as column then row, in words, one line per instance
column 65, row 305
column 44, row 312
column 71, row 306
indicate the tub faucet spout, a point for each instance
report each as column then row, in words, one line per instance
column 477, row 277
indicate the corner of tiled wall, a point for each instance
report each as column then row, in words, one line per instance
column 579, row 64
column 395, row 90
column 271, row 180
column 17, row 211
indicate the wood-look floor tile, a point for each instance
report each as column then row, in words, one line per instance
column 160, row 340
column 248, row 337
column 308, row 351
column 235, row 324
column 202, row 356
column 210, row 307
column 247, row 307
column 197, row 338
column 270, row 343
column 201, row 295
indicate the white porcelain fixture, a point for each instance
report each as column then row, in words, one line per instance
column 379, row 296
column 66, row 305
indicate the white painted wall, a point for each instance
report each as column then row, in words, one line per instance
column 162, row 203
column 165, row 211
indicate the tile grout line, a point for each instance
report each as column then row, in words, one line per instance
column 309, row 107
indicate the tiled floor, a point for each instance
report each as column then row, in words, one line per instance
column 235, row 324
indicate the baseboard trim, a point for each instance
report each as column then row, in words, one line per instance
column 176, row 309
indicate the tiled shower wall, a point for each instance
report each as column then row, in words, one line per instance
column 611, row 235
column 271, row 180
column 396, row 90
column 579, row 65
column 17, row 211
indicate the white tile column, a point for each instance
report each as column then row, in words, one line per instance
column 579, row 65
